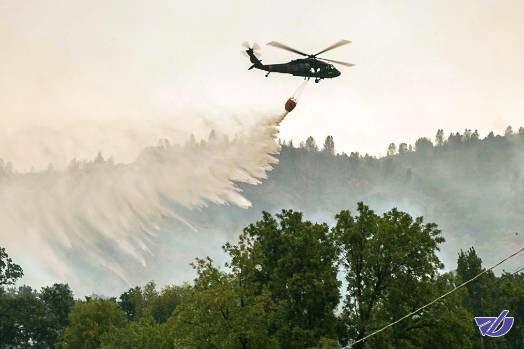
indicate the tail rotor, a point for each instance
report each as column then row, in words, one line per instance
column 252, row 51
column 253, row 48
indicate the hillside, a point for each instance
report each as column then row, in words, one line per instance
column 471, row 187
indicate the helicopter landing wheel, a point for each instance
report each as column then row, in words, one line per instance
column 317, row 80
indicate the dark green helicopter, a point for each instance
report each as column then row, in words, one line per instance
column 309, row 67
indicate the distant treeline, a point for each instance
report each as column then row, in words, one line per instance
column 422, row 144
column 281, row 289
column 472, row 186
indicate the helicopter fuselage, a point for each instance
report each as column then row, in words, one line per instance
column 306, row 67
column 309, row 68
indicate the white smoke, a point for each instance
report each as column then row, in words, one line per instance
column 107, row 211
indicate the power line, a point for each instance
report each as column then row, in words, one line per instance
column 518, row 271
column 435, row 300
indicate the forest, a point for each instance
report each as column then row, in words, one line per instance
column 471, row 185
column 289, row 283
column 353, row 255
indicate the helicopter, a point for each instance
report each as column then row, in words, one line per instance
column 311, row 66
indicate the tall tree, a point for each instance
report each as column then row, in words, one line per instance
column 423, row 145
column 23, row 319
column 295, row 261
column 58, row 301
column 220, row 312
column 9, row 271
column 89, row 321
column 391, row 268
column 392, row 149
column 466, row 137
column 131, row 302
column 439, row 138
column 329, row 146
column 403, row 148
column 469, row 265
column 311, row 145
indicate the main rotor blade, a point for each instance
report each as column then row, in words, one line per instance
column 337, row 62
column 335, row 45
column 284, row 47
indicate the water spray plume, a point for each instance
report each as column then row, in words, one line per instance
column 107, row 213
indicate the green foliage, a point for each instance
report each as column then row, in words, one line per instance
column 9, row 271
column 89, row 321
column 58, row 301
column 392, row 149
column 469, row 265
column 280, row 290
column 295, row 262
column 148, row 303
column 508, row 293
column 218, row 313
column 130, row 302
column 28, row 317
column 23, row 318
column 311, row 145
column 391, row 268
column 489, row 295
column 142, row 334
column 423, row 145
column 329, row 146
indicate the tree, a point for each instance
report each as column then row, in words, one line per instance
column 220, row 312
column 439, row 138
column 311, row 145
column 468, row 266
column 384, row 256
column 295, row 262
column 354, row 155
column 508, row 293
column 9, row 271
column 138, row 335
column 445, row 324
column 58, row 301
column 392, row 149
column 455, row 139
column 403, row 148
column 23, row 319
column 466, row 137
column 148, row 304
column 509, row 131
column 329, row 146
column 130, row 302
column 423, row 145
column 521, row 130
column 89, row 321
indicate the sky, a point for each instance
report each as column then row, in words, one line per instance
column 419, row 65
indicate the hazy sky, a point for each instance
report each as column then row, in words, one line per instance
column 420, row 65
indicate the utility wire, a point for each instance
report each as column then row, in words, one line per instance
column 435, row 300
column 518, row 271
